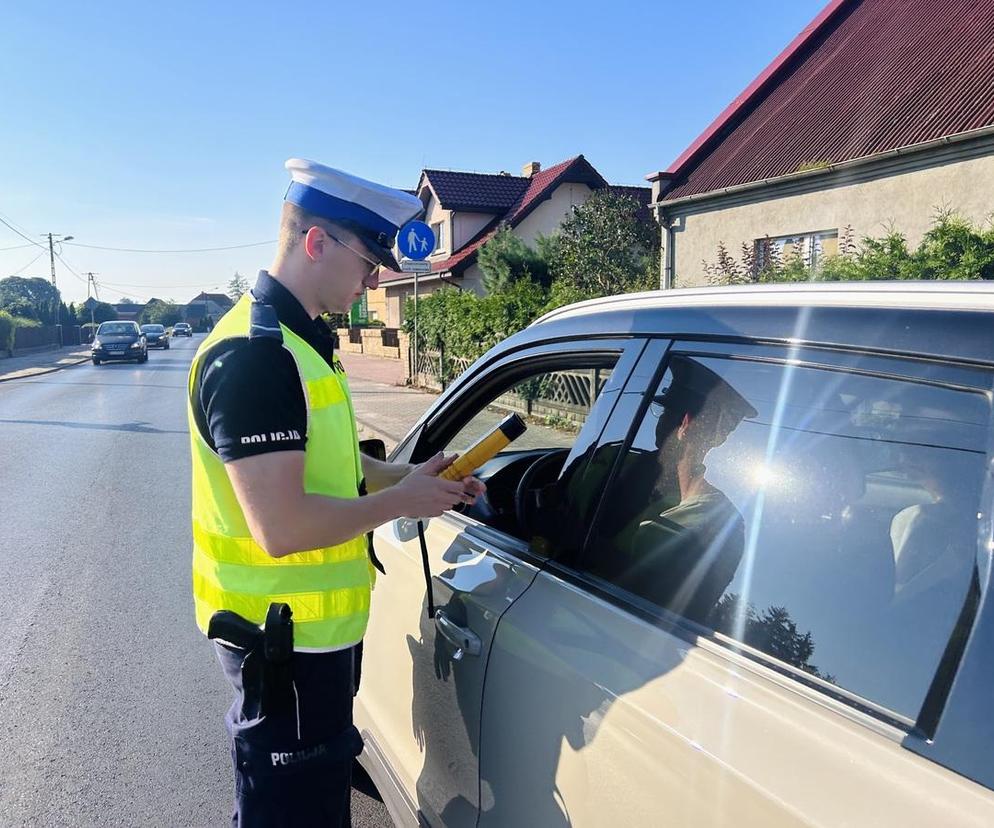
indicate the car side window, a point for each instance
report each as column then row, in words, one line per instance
column 827, row 519
column 556, row 405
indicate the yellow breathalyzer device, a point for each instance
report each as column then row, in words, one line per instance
column 486, row 448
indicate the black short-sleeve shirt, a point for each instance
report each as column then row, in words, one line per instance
column 250, row 388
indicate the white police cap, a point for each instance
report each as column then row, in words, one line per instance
column 371, row 210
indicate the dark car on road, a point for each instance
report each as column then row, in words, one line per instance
column 156, row 336
column 119, row 340
column 182, row 329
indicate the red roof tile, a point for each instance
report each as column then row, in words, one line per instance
column 476, row 192
column 865, row 77
column 533, row 192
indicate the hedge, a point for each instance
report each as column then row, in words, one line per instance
column 8, row 326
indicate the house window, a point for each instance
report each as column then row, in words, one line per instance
column 812, row 248
column 438, row 228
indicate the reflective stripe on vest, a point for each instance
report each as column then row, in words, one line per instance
column 328, row 589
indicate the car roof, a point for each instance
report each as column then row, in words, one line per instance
column 947, row 295
column 946, row 320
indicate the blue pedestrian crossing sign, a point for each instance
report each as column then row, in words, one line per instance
column 416, row 240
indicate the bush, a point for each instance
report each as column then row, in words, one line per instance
column 8, row 328
column 461, row 324
column 952, row 249
column 6, row 332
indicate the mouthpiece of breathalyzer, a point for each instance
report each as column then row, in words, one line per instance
column 486, row 448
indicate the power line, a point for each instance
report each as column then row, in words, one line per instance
column 189, row 250
column 69, row 267
column 19, row 233
column 198, row 284
column 22, row 269
column 16, row 247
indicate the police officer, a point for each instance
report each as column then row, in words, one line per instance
column 276, row 512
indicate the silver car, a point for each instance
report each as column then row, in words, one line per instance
column 736, row 572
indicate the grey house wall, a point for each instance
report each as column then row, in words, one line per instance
column 902, row 190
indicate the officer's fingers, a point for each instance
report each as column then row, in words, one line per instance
column 434, row 465
column 454, row 488
column 474, row 485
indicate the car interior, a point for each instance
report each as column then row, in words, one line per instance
column 520, row 480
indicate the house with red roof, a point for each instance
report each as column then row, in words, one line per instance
column 465, row 209
column 205, row 309
column 877, row 115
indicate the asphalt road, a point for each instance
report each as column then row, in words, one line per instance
column 111, row 703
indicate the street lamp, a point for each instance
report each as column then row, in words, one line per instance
column 51, row 256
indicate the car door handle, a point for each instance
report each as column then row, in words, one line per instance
column 464, row 640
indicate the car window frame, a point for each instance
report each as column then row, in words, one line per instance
column 442, row 424
column 952, row 374
column 135, row 329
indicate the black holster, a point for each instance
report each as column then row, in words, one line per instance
column 268, row 666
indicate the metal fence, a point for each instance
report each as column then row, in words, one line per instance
column 561, row 394
column 28, row 338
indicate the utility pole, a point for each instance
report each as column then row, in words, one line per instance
column 51, row 256
column 91, row 281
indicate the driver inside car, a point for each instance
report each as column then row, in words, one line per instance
column 682, row 548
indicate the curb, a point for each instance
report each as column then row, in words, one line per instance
column 44, row 371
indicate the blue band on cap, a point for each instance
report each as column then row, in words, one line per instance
column 330, row 207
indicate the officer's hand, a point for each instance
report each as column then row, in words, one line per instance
column 472, row 487
column 423, row 494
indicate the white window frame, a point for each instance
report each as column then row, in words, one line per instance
column 810, row 245
column 438, row 228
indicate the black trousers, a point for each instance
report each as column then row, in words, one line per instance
column 293, row 768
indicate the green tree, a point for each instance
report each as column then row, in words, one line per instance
column 606, row 246
column 102, row 312
column 158, row 312
column 505, row 258
column 30, row 297
column 237, row 286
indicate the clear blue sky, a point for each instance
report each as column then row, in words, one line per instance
column 166, row 125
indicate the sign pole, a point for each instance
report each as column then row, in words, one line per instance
column 417, row 368
column 416, row 241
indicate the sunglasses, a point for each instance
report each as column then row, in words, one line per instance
column 373, row 265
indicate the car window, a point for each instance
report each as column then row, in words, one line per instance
column 153, row 328
column 827, row 519
column 114, row 328
column 554, row 403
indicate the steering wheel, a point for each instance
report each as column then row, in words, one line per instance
column 522, row 506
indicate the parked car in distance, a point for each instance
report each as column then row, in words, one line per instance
column 119, row 341
column 737, row 571
column 156, row 336
column 182, row 329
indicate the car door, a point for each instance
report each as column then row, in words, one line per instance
column 423, row 675
column 648, row 682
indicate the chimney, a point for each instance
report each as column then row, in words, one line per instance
column 529, row 169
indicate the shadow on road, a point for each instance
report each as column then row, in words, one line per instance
column 136, row 427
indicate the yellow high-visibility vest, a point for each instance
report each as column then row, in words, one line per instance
column 328, row 589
